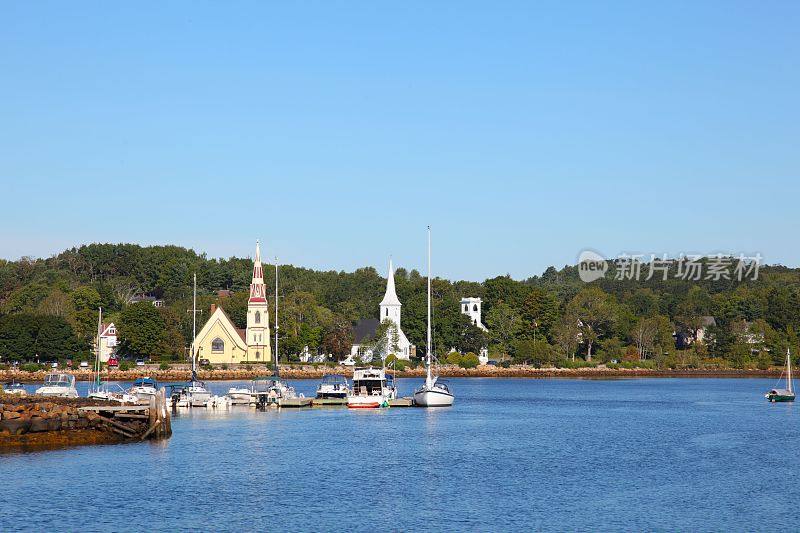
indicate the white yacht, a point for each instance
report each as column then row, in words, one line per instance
column 333, row 386
column 144, row 389
column 239, row 395
column 104, row 391
column 433, row 393
column 372, row 388
column 59, row 385
column 271, row 391
column 14, row 387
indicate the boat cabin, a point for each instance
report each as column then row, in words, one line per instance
column 371, row 381
column 59, row 380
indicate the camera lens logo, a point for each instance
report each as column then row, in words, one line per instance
column 591, row 266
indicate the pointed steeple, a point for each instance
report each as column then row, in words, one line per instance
column 390, row 298
column 258, row 291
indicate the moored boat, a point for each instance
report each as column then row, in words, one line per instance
column 372, row 388
column 333, row 386
column 14, row 387
column 239, row 395
column 433, row 393
column 58, row 385
column 785, row 394
column 144, row 389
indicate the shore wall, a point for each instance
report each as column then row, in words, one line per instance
column 180, row 373
column 39, row 422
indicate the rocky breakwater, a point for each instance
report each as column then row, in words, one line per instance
column 37, row 422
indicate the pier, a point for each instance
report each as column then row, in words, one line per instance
column 126, row 420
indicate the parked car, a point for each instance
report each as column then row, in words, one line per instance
column 112, row 362
column 491, row 362
column 204, row 362
column 53, row 364
column 140, row 362
column 84, row 364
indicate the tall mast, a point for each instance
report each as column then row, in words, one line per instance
column 789, row 370
column 428, row 345
column 277, row 369
column 97, row 350
column 194, row 325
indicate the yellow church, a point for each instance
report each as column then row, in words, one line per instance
column 220, row 341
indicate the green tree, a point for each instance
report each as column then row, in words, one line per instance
column 141, row 330
column 594, row 310
column 503, row 324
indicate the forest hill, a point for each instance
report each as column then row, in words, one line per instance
column 49, row 307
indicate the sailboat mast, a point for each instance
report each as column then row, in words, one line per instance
column 277, row 369
column 97, row 349
column 789, row 370
column 428, row 345
column 194, row 324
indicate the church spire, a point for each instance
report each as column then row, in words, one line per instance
column 390, row 298
column 258, row 291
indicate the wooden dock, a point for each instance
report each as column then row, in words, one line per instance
column 407, row 401
column 333, row 402
column 295, row 402
column 127, row 420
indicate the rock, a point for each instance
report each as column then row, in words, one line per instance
column 15, row 427
column 38, row 424
column 10, row 415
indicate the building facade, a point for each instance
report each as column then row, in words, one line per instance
column 220, row 341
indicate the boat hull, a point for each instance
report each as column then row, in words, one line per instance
column 366, row 402
column 57, row 392
column 774, row 398
column 433, row 398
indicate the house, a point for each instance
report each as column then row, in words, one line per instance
column 108, row 341
column 220, row 341
column 157, row 302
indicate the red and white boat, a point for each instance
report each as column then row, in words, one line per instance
column 372, row 389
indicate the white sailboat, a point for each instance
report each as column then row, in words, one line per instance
column 194, row 394
column 433, row 393
column 100, row 390
column 787, row 394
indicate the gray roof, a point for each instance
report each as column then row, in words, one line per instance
column 365, row 329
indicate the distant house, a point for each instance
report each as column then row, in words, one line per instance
column 157, row 302
column 108, row 341
column 363, row 331
column 223, row 294
column 684, row 339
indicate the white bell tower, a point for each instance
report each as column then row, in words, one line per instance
column 390, row 305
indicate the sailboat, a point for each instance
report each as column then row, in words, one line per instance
column 194, row 394
column 433, row 393
column 787, row 394
column 100, row 390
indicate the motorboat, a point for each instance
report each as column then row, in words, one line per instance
column 144, row 389
column 333, row 386
column 14, row 387
column 271, row 391
column 783, row 394
column 58, row 385
column 433, row 393
column 104, row 392
column 372, row 388
column 239, row 396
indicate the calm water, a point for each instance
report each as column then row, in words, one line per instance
column 513, row 454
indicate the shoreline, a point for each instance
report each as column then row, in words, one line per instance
column 445, row 371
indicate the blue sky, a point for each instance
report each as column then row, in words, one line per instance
column 523, row 132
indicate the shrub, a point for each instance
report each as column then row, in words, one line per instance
column 207, row 367
column 453, row 358
column 469, row 360
column 224, row 367
column 163, row 366
column 31, row 367
column 124, row 366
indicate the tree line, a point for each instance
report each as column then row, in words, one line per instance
column 48, row 307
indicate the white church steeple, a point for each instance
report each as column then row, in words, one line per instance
column 258, row 345
column 390, row 305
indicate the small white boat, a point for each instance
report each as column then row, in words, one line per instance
column 218, row 402
column 239, row 396
column 58, row 385
column 14, row 387
column 433, row 393
column 104, row 392
column 372, row 388
column 333, row 386
column 787, row 394
column 144, row 389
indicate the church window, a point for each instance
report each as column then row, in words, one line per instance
column 466, row 308
column 258, row 355
column 387, row 311
column 475, row 307
column 258, row 317
column 217, row 345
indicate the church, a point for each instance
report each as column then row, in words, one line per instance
column 389, row 308
column 220, row 341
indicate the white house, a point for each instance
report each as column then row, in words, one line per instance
column 108, row 341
